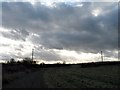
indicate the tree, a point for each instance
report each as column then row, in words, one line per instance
column 34, row 62
column 27, row 60
column 64, row 62
column 58, row 63
column 8, row 62
column 18, row 62
column 42, row 63
column 12, row 60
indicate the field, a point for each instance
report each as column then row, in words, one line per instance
column 73, row 76
column 76, row 77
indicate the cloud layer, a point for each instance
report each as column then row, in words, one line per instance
column 81, row 27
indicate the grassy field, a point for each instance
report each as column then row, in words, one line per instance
column 77, row 77
column 105, row 76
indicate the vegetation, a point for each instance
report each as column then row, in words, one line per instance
column 17, row 69
column 61, row 75
column 77, row 77
column 25, row 60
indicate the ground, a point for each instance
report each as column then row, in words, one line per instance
column 31, row 80
column 69, row 77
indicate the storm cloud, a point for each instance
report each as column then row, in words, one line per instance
column 83, row 26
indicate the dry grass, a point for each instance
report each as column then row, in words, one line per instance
column 76, row 77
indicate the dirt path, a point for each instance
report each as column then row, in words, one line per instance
column 32, row 80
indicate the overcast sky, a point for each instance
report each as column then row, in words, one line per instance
column 58, row 31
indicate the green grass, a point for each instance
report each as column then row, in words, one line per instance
column 76, row 77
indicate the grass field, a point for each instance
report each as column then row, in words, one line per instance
column 76, row 77
column 68, row 77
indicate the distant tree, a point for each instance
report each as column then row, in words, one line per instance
column 18, row 62
column 8, row 62
column 58, row 63
column 64, row 62
column 27, row 60
column 42, row 63
column 12, row 60
column 34, row 62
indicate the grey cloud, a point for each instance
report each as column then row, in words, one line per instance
column 43, row 53
column 48, row 55
column 21, row 46
column 5, row 45
column 65, row 27
column 16, row 34
column 5, row 56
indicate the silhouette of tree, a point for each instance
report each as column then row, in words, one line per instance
column 42, row 63
column 64, row 62
column 58, row 63
column 12, row 60
column 28, row 60
column 34, row 62
column 8, row 62
column 18, row 62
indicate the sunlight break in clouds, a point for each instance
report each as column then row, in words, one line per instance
column 96, row 12
column 74, row 32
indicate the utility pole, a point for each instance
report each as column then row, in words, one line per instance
column 101, row 56
column 32, row 53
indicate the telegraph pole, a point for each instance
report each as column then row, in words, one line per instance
column 101, row 56
column 32, row 53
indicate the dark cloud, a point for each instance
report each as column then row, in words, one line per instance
column 48, row 55
column 19, row 34
column 4, row 56
column 63, row 27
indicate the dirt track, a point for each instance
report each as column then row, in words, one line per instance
column 32, row 80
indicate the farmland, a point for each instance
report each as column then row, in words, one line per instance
column 72, row 76
column 76, row 77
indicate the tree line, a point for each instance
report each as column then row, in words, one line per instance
column 26, row 60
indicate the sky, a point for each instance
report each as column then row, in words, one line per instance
column 59, row 31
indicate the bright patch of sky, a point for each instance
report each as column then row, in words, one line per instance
column 69, row 31
column 62, row 0
column 96, row 12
